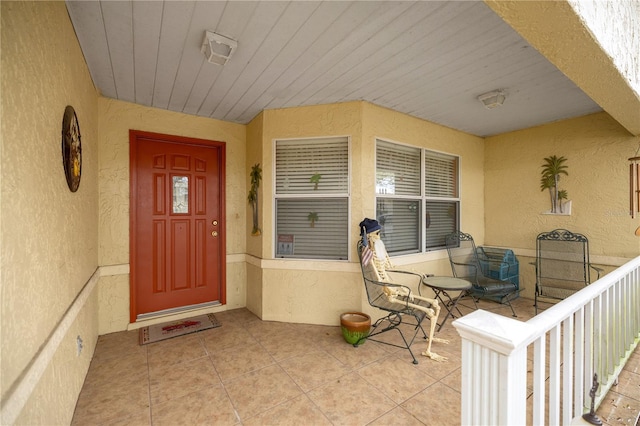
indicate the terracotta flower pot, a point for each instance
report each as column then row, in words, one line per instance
column 355, row 326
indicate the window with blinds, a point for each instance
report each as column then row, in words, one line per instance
column 417, row 197
column 312, row 198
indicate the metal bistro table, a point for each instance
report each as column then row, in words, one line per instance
column 441, row 286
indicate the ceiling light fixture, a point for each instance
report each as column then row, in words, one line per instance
column 493, row 99
column 217, row 48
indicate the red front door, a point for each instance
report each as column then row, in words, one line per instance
column 177, row 222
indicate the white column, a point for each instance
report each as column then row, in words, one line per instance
column 494, row 368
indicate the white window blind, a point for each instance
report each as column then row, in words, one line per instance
column 441, row 220
column 440, row 175
column 397, row 169
column 312, row 198
column 417, row 196
column 312, row 166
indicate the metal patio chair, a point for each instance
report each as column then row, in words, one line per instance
column 403, row 307
column 463, row 257
column 562, row 265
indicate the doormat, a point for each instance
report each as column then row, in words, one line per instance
column 157, row 332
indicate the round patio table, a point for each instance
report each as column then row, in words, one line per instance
column 441, row 286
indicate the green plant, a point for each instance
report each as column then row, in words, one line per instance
column 312, row 217
column 562, row 195
column 315, row 180
column 256, row 177
column 552, row 168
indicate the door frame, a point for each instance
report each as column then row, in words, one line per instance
column 134, row 135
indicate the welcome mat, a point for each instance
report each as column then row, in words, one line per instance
column 158, row 332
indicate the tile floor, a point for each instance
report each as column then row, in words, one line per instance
column 252, row 372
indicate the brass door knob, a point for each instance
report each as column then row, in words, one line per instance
column 214, row 222
column 214, row 233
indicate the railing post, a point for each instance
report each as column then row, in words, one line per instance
column 494, row 368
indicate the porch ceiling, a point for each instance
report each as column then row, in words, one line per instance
column 428, row 59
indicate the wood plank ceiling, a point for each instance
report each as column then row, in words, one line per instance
column 429, row 59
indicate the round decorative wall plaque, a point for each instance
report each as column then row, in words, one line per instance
column 71, row 148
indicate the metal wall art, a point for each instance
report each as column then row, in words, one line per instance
column 71, row 148
column 256, row 177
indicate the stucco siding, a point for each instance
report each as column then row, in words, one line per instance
column 49, row 245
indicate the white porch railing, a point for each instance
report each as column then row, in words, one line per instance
column 514, row 372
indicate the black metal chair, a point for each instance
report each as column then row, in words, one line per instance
column 463, row 257
column 562, row 265
column 400, row 311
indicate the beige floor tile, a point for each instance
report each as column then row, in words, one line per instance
column 225, row 337
column 116, row 345
column 122, row 370
column 177, row 380
column 286, row 344
column 617, row 409
column 633, row 365
column 439, row 370
column 397, row 416
column 265, row 330
column 454, row 380
column 131, row 384
column 110, row 401
column 261, row 390
column 240, row 360
column 350, row 400
column 210, row 406
column 357, row 357
column 313, row 369
column 175, row 350
column 237, row 317
column 295, row 412
column 628, row 384
column 141, row 418
column 445, row 412
column 397, row 380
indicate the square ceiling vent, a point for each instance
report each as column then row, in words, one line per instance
column 217, row 48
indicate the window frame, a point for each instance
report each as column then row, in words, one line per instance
column 342, row 195
column 422, row 198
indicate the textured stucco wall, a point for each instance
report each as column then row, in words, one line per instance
column 286, row 281
column 254, row 242
column 619, row 40
column 317, row 292
column 597, row 149
column 116, row 118
column 49, row 244
column 254, row 156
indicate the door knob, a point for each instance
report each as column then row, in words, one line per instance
column 214, row 233
column 214, row 222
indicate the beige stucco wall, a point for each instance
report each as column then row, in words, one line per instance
column 318, row 291
column 116, row 118
column 597, row 149
column 621, row 40
column 49, row 244
column 254, row 242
